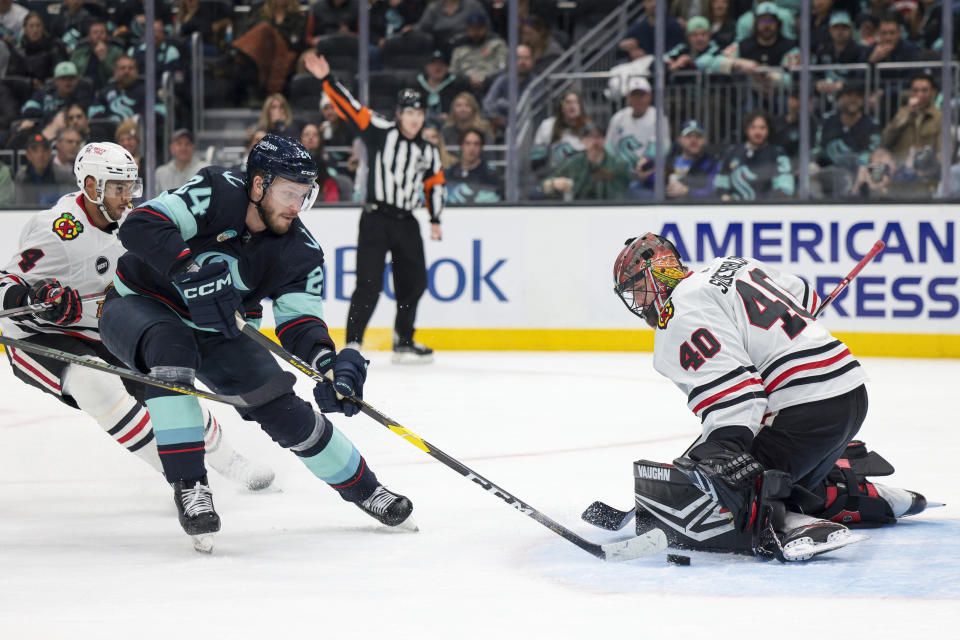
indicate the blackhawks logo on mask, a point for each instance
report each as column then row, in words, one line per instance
column 67, row 227
column 665, row 315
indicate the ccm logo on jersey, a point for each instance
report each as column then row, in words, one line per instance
column 67, row 227
column 665, row 314
column 207, row 289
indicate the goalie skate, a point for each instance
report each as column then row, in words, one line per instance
column 807, row 537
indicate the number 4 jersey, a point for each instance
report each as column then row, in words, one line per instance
column 63, row 243
column 740, row 340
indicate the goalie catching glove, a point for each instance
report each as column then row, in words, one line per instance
column 348, row 371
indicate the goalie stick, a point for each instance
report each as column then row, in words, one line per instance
column 277, row 386
column 40, row 306
column 604, row 516
column 874, row 250
column 651, row 542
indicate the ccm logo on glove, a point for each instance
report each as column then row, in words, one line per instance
column 208, row 288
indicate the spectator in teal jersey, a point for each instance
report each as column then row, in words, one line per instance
column 755, row 170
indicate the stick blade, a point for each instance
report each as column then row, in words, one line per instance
column 653, row 541
column 602, row 515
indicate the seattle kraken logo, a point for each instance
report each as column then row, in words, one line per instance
column 232, row 264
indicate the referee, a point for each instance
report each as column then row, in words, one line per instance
column 400, row 165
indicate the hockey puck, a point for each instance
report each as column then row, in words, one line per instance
column 677, row 558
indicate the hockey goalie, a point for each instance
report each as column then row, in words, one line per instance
column 776, row 471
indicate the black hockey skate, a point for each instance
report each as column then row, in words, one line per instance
column 195, row 509
column 392, row 509
column 411, row 353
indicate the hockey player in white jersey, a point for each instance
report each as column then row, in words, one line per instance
column 779, row 398
column 72, row 249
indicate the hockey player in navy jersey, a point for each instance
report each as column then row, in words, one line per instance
column 72, row 250
column 195, row 255
column 773, row 391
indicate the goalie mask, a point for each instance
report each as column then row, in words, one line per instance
column 645, row 274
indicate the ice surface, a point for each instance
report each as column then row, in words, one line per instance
column 90, row 546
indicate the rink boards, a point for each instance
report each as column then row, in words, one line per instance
column 540, row 278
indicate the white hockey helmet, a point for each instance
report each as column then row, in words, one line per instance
column 107, row 161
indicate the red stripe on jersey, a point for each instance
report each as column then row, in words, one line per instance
column 80, row 204
column 363, row 465
column 26, row 365
column 183, row 253
column 16, row 279
column 746, row 383
column 819, row 364
column 137, row 429
column 163, row 453
column 308, row 319
column 159, row 215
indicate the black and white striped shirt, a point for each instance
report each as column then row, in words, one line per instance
column 398, row 169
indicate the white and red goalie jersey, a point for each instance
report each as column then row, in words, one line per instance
column 740, row 340
column 62, row 243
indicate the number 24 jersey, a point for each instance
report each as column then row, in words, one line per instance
column 740, row 340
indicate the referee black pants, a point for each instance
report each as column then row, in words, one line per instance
column 806, row 439
column 398, row 233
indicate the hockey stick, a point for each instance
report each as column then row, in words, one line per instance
column 651, row 542
column 277, row 386
column 874, row 250
column 40, row 306
column 604, row 516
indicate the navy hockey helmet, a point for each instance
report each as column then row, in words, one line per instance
column 409, row 98
column 645, row 274
column 278, row 157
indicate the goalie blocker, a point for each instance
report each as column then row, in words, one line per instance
column 695, row 519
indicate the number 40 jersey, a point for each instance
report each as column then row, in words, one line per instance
column 740, row 340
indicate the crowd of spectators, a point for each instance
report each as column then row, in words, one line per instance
column 76, row 73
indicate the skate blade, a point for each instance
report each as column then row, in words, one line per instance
column 804, row 548
column 409, row 358
column 407, row 526
column 203, row 543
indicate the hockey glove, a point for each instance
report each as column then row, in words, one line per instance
column 731, row 477
column 210, row 296
column 349, row 370
column 63, row 303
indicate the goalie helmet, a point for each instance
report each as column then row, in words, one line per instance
column 106, row 161
column 645, row 274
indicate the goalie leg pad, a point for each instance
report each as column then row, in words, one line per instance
column 847, row 497
column 691, row 518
